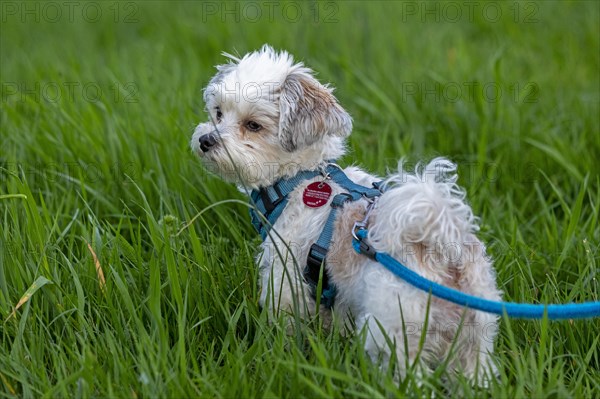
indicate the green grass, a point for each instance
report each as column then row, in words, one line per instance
column 107, row 164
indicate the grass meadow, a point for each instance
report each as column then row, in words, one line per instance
column 99, row 295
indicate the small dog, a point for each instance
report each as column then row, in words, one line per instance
column 270, row 119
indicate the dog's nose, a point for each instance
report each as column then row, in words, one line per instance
column 207, row 141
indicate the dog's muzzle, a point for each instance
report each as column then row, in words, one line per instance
column 207, row 141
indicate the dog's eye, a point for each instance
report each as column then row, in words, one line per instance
column 253, row 126
column 219, row 114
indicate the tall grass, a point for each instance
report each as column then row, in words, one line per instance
column 96, row 177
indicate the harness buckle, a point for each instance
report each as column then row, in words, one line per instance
column 378, row 185
column 312, row 271
column 266, row 199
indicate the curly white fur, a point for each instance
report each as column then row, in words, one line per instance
column 422, row 218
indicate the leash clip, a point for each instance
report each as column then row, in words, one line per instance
column 358, row 226
column 367, row 250
column 362, row 225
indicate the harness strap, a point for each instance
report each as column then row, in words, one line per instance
column 315, row 262
column 271, row 201
column 356, row 190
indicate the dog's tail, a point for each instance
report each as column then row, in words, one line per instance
column 422, row 218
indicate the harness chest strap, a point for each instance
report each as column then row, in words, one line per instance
column 271, row 202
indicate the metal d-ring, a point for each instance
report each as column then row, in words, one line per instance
column 335, row 164
column 363, row 224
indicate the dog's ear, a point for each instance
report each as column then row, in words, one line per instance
column 308, row 111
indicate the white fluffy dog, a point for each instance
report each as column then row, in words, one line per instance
column 270, row 119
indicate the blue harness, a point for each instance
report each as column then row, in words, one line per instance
column 271, row 201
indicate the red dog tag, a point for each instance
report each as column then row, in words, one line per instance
column 316, row 194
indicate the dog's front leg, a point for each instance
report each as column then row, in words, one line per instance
column 283, row 289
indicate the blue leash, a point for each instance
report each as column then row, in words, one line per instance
column 512, row 309
column 271, row 201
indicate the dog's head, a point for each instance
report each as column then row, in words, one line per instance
column 268, row 118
